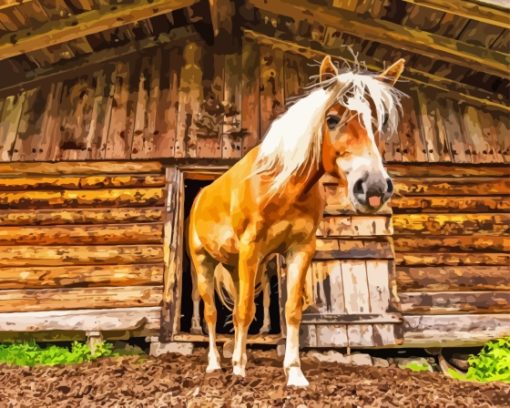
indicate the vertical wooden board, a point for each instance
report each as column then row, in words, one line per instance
column 383, row 334
column 297, row 76
column 307, row 335
column 354, row 276
column 210, row 117
column 272, row 96
column 473, row 134
column 331, row 335
column 336, row 287
column 122, row 117
column 428, row 127
column 189, row 100
column 378, row 286
column 360, row 335
column 250, row 100
column 232, row 131
column 10, row 115
column 411, row 138
column 47, row 146
column 319, row 275
column 448, row 109
column 502, row 123
column 443, row 145
column 490, row 137
column 144, row 135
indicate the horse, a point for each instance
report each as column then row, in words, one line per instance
column 270, row 201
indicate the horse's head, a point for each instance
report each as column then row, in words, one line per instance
column 352, row 126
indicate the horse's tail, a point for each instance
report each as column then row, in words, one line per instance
column 225, row 287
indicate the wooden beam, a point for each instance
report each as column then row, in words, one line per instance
column 395, row 35
column 484, row 11
column 90, row 22
column 315, row 50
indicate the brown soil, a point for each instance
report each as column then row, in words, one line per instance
column 173, row 381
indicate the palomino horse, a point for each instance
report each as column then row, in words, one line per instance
column 271, row 201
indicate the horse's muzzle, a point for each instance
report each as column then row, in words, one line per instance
column 372, row 192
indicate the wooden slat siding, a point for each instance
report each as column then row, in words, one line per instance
column 79, row 255
column 456, row 302
column 80, row 216
column 27, row 300
column 79, row 168
column 122, row 117
column 357, row 301
column 449, row 204
column 232, row 133
column 450, row 116
column 428, row 127
column 86, row 198
column 10, row 116
column 502, row 123
column 412, row 143
column 77, row 182
column 443, row 144
column 146, row 105
column 272, row 79
column 31, row 121
column 338, row 226
column 446, row 279
column 46, row 147
column 355, row 249
column 489, row 134
column 452, row 259
column 473, row 134
column 462, row 243
column 451, row 224
column 481, row 186
column 82, row 320
column 75, row 110
column 83, row 234
column 250, row 99
column 77, row 276
column 447, row 170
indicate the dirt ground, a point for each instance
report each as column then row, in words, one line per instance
column 180, row 381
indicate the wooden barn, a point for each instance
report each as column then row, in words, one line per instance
column 113, row 114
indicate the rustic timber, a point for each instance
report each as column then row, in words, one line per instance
column 19, row 255
column 79, row 168
column 356, row 249
column 483, row 11
column 450, row 204
column 338, row 226
column 452, row 186
column 447, row 243
column 454, row 303
column 90, row 22
column 386, row 32
column 27, row 300
column 455, row 278
column 81, row 320
column 223, row 338
column 452, row 258
column 323, row 318
column 447, row 170
column 73, row 276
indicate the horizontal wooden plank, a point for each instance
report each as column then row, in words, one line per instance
column 27, row 300
column 74, row 276
column 452, row 278
column 326, row 318
column 455, row 302
column 452, row 258
column 74, row 183
column 83, row 234
column 458, row 243
column 131, row 197
column 101, row 320
column 428, row 204
column 354, row 249
column 222, row 338
column 451, row 224
column 345, row 226
column 447, row 170
column 80, row 216
column 80, row 167
column 460, row 330
column 452, row 186
column 79, row 255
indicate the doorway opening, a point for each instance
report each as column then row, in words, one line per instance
column 192, row 187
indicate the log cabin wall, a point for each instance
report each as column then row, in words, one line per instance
column 182, row 101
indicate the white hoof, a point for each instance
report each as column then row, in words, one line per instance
column 296, row 378
column 214, row 364
column 240, row 371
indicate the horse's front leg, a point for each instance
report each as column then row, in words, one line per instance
column 244, row 312
column 298, row 261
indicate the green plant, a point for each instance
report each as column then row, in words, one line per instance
column 491, row 364
column 31, row 354
column 416, row 367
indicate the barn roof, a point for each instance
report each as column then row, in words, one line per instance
column 460, row 45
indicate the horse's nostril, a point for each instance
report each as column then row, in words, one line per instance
column 358, row 187
column 389, row 184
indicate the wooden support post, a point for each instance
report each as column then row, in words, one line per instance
column 94, row 339
column 158, row 348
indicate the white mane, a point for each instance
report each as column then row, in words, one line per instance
column 293, row 143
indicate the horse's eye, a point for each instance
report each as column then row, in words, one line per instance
column 385, row 119
column 332, row 121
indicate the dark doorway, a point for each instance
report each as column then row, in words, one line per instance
column 224, row 323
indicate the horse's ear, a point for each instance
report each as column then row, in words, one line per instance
column 328, row 69
column 393, row 72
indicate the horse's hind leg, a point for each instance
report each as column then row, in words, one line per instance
column 204, row 266
column 196, row 327
column 266, row 301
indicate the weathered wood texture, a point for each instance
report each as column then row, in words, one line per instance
column 81, row 236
